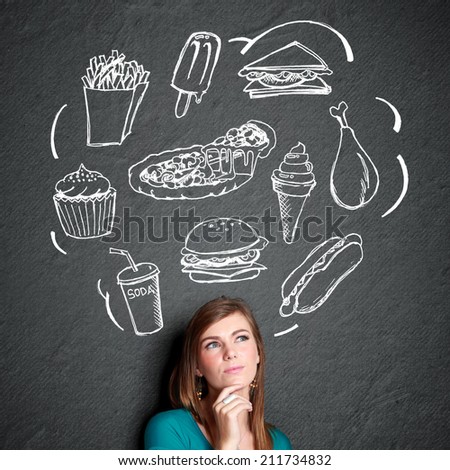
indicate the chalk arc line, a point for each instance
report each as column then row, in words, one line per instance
column 107, row 305
column 55, row 243
column 251, row 42
column 398, row 118
column 405, row 186
column 281, row 333
column 52, row 133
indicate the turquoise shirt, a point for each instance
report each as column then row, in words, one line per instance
column 178, row 430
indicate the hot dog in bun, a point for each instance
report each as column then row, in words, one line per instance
column 310, row 285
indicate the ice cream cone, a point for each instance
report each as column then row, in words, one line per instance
column 293, row 182
column 291, row 208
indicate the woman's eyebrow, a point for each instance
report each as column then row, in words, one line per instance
column 240, row 331
column 208, row 338
column 218, row 337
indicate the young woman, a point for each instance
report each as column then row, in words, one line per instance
column 218, row 386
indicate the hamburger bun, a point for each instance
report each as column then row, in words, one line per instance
column 222, row 250
column 222, row 236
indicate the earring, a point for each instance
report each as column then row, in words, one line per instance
column 253, row 385
column 199, row 388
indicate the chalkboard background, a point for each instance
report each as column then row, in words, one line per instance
column 367, row 370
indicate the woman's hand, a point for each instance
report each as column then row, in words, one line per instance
column 226, row 416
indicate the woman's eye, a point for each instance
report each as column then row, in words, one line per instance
column 242, row 338
column 212, row 345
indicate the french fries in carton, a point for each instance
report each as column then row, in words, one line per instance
column 113, row 91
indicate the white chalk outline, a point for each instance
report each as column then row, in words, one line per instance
column 52, row 133
column 55, row 243
column 365, row 183
column 405, row 185
column 251, row 42
column 76, row 223
column 281, row 333
column 149, row 276
column 291, row 203
column 110, row 75
column 193, row 40
column 216, row 269
column 218, row 158
column 107, row 305
column 310, row 83
column 317, row 262
column 397, row 117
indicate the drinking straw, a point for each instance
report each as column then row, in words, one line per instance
column 116, row 251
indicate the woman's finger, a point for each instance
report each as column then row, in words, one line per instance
column 235, row 408
column 224, row 394
column 226, row 408
column 228, row 391
column 229, row 399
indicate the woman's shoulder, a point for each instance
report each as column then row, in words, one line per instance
column 280, row 440
column 167, row 430
column 171, row 416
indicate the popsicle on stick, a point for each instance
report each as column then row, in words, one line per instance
column 193, row 71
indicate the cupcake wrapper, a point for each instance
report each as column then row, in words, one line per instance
column 86, row 217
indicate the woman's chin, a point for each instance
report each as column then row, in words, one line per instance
column 236, row 380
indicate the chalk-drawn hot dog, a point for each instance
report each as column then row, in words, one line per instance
column 310, row 285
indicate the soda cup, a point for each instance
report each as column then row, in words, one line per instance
column 140, row 287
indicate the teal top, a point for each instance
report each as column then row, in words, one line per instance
column 178, row 430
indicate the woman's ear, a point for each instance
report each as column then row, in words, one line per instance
column 198, row 373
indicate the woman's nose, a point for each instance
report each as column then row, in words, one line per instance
column 230, row 352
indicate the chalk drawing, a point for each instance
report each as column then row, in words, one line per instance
column 310, row 285
column 199, row 171
column 140, row 288
column 281, row 333
column 52, row 133
column 251, row 42
column 222, row 250
column 291, row 70
column 85, row 203
column 113, row 91
column 56, row 244
column 404, row 188
column 293, row 182
column 354, row 177
column 194, row 69
column 397, row 117
column 107, row 305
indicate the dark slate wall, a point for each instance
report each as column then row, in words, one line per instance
column 367, row 370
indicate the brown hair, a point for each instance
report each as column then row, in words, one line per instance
column 183, row 382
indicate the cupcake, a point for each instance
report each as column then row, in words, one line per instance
column 85, row 203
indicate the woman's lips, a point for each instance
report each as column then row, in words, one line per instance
column 233, row 370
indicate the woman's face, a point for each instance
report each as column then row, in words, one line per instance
column 227, row 353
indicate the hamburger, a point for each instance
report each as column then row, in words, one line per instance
column 222, row 250
column 292, row 69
